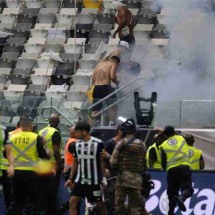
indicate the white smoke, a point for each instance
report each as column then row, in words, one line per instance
column 188, row 71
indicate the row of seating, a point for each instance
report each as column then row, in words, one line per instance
column 40, row 58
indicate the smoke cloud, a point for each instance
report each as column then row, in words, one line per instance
column 187, row 69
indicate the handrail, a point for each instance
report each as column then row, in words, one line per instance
column 116, row 102
column 59, row 112
column 113, row 93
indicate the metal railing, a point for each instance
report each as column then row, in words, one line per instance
column 115, row 93
column 59, row 113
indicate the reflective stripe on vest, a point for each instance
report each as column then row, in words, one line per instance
column 177, row 152
column 195, row 155
column 157, row 163
column 24, row 148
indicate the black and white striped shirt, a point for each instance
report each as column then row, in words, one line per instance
column 88, row 156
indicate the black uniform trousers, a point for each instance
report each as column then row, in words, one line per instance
column 48, row 196
column 24, row 192
column 7, row 191
column 179, row 179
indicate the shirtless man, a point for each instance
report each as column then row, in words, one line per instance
column 103, row 75
column 125, row 21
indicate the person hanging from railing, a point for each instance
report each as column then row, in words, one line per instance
column 103, row 75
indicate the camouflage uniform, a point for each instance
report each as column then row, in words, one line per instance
column 129, row 159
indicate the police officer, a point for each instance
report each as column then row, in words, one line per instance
column 175, row 159
column 196, row 158
column 129, row 159
column 27, row 148
column 153, row 153
column 52, row 138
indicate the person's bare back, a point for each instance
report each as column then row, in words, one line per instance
column 105, row 73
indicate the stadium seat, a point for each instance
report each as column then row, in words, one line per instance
column 56, row 91
column 24, row 63
column 85, row 22
column 160, row 32
column 56, row 48
column 105, row 18
column 71, row 4
column 8, row 18
column 33, row 3
column 40, row 30
column 13, row 3
column 52, row 11
column 147, row 17
column 35, row 45
column 72, row 48
column 5, row 71
column 27, row 55
column 7, row 63
column 77, row 93
column 82, row 78
column 51, row 4
column 142, row 30
column 41, row 76
column 132, row 4
column 76, row 41
column 19, row 79
column 87, row 64
column 22, row 71
column 10, row 55
column 14, row 92
column 3, row 78
column 69, row 57
column 66, row 15
column 159, row 42
column 35, row 90
column 5, row 119
column 14, row 44
column 46, row 18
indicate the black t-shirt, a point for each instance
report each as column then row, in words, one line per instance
column 56, row 138
column 110, row 145
column 40, row 148
column 88, row 156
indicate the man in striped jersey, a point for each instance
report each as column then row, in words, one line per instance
column 88, row 172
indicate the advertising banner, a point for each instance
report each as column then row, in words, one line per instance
column 201, row 203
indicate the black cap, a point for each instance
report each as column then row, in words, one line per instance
column 169, row 130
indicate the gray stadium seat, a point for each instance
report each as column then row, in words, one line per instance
column 24, row 63
column 56, row 91
column 41, row 76
column 46, row 18
column 19, row 79
column 77, row 93
column 33, row 3
column 14, row 92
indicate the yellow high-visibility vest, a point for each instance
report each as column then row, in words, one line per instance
column 157, row 163
column 177, row 152
column 195, row 155
column 47, row 133
column 2, row 137
column 3, row 159
column 24, row 148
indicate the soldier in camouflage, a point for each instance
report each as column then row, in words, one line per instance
column 129, row 161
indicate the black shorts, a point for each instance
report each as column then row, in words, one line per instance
column 91, row 192
column 100, row 92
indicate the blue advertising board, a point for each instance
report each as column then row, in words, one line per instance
column 201, row 203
